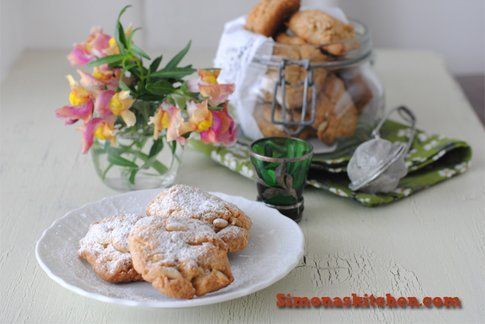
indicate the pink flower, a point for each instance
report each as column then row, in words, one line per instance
column 98, row 42
column 80, row 55
column 89, row 82
column 100, row 128
column 106, row 75
column 88, row 133
column 96, row 45
column 223, row 129
column 102, row 101
column 209, row 88
column 216, row 93
column 73, row 113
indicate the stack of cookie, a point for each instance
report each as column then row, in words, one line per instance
column 180, row 246
column 318, row 37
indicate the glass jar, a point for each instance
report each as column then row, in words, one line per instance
column 305, row 91
column 137, row 161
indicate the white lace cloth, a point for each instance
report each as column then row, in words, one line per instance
column 237, row 49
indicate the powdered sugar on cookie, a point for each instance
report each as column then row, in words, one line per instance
column 105, row 247
column 191, row 202
column 182, row 257
column 187, row 201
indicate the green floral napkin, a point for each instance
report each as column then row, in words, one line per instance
column 431, row 160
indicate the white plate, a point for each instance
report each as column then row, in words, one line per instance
column 275, row 248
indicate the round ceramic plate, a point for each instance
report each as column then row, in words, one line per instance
column 275, row 248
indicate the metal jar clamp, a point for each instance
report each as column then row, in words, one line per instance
column 289, row 124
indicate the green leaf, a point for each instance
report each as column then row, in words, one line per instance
column 111, row 59
column 177, row 58
column 139, row 71
column 123, row 86
column 149, row 97
column 118, row 160
column 139, row 51
column 133, row 175
column 179, row 100
column 160, row 87
column 175, row 73
column 148, row 162
column 157, row 146
column 120, row 37
column 130, row 37
column 216, row 108
column 123, row 11
column 156, row 63
column 173, row 147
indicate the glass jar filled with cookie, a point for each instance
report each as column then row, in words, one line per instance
column 314, row 80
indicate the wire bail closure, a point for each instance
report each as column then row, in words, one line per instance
column 287, row 120
column 407, row 115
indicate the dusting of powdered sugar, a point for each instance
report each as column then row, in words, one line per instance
column 187, row 201
column 192, row 202
column 168, row 241
column 106, row 242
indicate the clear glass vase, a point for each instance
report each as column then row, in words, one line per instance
column 137, row 161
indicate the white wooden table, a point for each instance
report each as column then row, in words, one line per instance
column 431, row 244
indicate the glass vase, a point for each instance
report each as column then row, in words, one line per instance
column 137, row 161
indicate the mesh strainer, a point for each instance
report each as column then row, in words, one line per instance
column 377, row 165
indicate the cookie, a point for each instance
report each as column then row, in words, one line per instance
column 294, row 48
column 318, row 28
column 305, row 50
column 262, row 115
column 294, row 74
column 358, row 87
column 231, row 224
column 336, row 114
column 105, row 248
column 268, row 16
column 294, row 92
column 338, row 126
column 181, row 257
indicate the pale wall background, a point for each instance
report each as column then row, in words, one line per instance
column 453, row 28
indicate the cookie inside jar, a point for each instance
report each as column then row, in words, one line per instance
column 336, row 99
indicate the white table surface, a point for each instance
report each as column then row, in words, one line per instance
column 430, row 244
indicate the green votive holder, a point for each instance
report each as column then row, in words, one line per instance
column 281, row 165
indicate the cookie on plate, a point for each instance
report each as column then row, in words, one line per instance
column 105, row 248
column 182, row 257
column 319, row 28
column 268, row 16
column 231, row 224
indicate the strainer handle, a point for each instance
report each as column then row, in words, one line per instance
column 407, row 115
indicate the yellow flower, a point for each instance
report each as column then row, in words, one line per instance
column 112, row 47
column 120, row 105
column 78, row 94
column 105, row 131
column 209, row 75
column 160, row 121
column 101, row 75
column 200, row 117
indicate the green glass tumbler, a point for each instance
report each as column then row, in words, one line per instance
column 281, row 165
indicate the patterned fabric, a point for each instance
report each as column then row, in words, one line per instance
column 431, row 160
